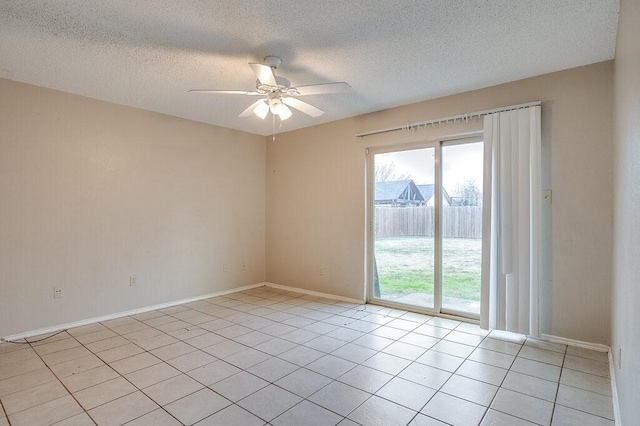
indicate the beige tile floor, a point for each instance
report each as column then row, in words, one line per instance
column 268, row 356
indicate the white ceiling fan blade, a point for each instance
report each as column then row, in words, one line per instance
column 303, row 106
column 224, row 92
column 320, row 89
column 247, row 112
column 264, row 74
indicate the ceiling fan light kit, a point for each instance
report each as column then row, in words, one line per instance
column 261, row 110
column 278, row 95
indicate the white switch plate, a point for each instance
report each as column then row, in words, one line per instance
column 546, row 197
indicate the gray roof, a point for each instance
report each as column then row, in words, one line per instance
column 395, row 190
column 426, row 191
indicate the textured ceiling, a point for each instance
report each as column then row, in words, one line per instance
column 148, row 54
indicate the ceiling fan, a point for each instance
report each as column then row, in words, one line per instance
column 278, row 95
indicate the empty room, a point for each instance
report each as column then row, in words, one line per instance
column 319, row 213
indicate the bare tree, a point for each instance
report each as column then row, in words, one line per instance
column 387, row 172
column 467, row 193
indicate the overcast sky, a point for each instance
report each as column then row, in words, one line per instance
column 460, row 162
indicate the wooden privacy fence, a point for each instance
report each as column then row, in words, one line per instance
column 457, row 222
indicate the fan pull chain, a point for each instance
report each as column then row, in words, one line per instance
column 273, row 127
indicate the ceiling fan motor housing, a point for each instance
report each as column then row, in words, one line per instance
column 282, row 87
column 273, row 61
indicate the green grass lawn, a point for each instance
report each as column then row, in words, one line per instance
column 405, row 266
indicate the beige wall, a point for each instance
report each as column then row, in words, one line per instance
column 316, row 194
column 626, row 260
column 93, row 192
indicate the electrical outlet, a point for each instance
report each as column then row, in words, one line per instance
column 321, row 270
column 546, row 197
column 225, row 267
column 243, row 267
column 133, row 281
column 57, row 292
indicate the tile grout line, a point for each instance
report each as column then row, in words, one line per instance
column 395, row 340
column 397, row 375
column 108, row 365
column 146, row 351
column 6, row 416
column 358, row 308
column 454, row 372
column 300, row 367
column 304, row 367
column 197, row 349
column 467, row 358
column 60, row 381
column 359, row 364
column 502, row 382
column 451, row 373
column 581, row 389
column 123, row 376
column 562, row 367
column 499, row 386
column 555, row 400
column 564, row 354
column 162, row 361
column 217, row 358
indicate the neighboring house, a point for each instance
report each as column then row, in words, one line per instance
column 398, row 193
column 407, row 193
column 427, row 195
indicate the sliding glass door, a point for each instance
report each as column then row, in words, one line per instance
column 461, row 226
column 404, row 241
column 425, row 233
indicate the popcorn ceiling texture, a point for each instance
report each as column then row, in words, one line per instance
column 149, row 54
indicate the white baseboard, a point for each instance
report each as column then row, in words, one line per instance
column 80, row 323
column 614, row 390
column 314, row 293
column 579, row 343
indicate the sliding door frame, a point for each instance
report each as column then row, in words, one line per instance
column 437, row 145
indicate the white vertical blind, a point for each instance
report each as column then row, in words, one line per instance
column 511, row 221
